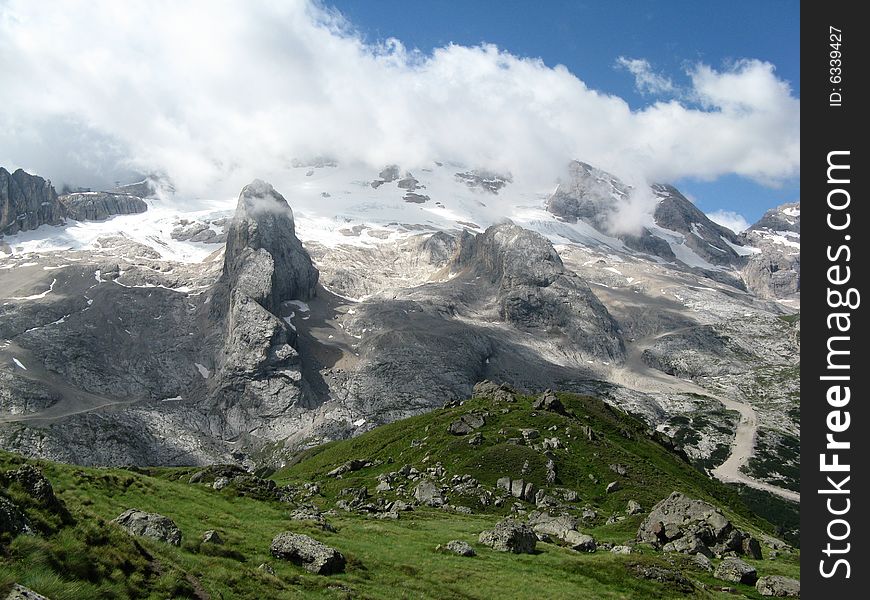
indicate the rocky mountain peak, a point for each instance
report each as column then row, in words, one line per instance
column 263, row 253
column 786, row 217
column 509, row 252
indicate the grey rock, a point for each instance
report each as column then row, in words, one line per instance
column 484, row 180
column 510, row 536
column 428, row 493
column 35, row 484
column 702, row 562
column 99, row 206
column 19, row 592
column 581, row 542
column 695, row 522
column 549, row 401
column 389, row 173
column 621, row 550
column 458, row 547
column 494, row 391
column 736, row 571
column 263, row 222
column 308, row 553
column 26, row 202
column 220, row 483
column 613, row 486
column 150, row 525
column 12, row 519
column 266, row 568
column 689, row 544
column 212, row 537
column 779, row 586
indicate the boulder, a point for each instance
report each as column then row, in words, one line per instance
column 736, row 571
column 613, row 486
column 12, row 520
column 150, row 525
column 428, row 493
column 701, row 523
column 510, row 536
column 493, row 391
column 466, row 424
column 581, row 542
column 35, row 484
column 779, row 586
column 689, row 544
column 308, row 553
column 633, row 507
column 19, row 592
column 212, row 537
column 621, row 550
column 549, row 401
column 751, row 547
column 457, row 547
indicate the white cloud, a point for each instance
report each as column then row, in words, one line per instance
column 646, row 81
column 730, row 219
column 217, row 93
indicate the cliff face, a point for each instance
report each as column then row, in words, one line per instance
column 26, row 202
column 98, row 206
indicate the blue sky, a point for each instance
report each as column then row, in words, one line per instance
column 589, row 37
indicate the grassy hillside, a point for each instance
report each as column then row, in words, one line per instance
column 82, row 555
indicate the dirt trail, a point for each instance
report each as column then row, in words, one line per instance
column 637, row 375
column 72, row 400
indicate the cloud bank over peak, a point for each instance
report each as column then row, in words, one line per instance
column 214, row 94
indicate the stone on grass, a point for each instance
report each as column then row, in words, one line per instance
column 456, row 547
column 779, row 586
column 510, row 536
column 149, row 525
column 736, row 571
column 308, row 553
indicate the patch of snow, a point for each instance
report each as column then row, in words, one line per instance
column 359, row 422
column 18, row 362
column 202, row 370
column 741, row 250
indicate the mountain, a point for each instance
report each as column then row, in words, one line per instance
column 678, row 232
column 138, row 340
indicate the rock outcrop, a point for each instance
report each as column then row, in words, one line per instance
column 26, row 202
column 535, row 292
column 308, row 553
column 99, row 206
column 264, row 259
column 150, row 525
column 510, row 536
column 12, row 519
column 682, row 524
column 775, row 270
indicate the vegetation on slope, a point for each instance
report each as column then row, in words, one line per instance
column 83, row 555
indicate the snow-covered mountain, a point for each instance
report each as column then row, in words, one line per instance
column 206, row 330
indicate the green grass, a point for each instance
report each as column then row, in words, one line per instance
column 88, row 557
